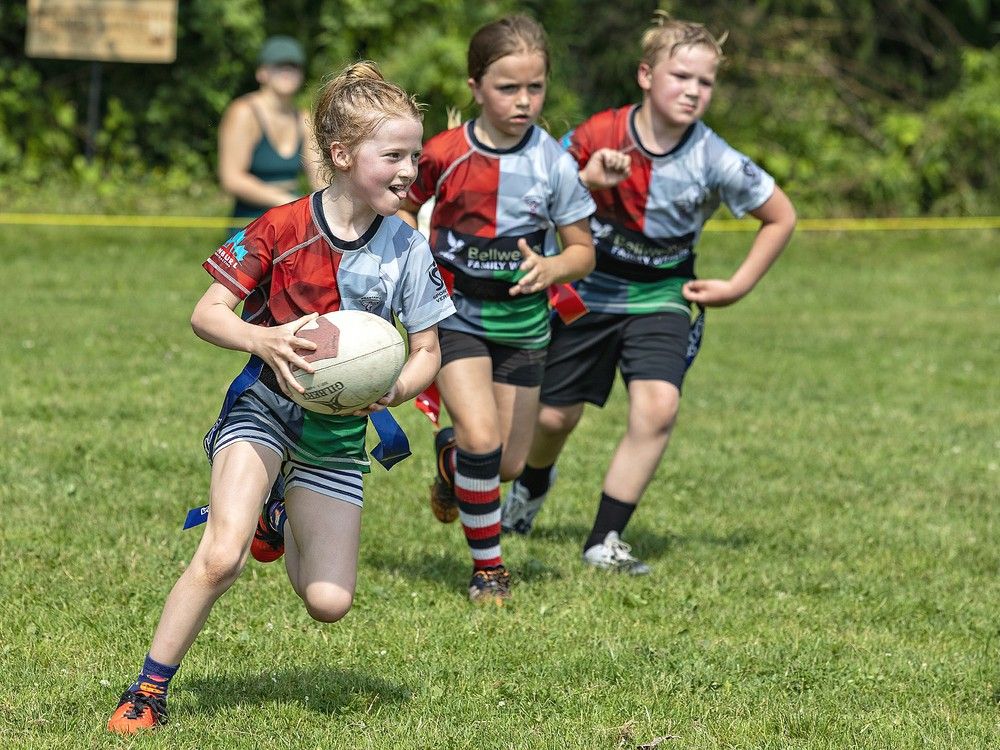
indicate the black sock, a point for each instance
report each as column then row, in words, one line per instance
column 536, row 481
column 612, row 515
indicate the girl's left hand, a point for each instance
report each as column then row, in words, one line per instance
column 381, row 404
column 712, row 292
column 538, row 271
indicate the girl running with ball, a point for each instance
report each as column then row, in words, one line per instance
column 339, row 248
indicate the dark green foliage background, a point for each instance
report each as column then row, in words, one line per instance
column 858, row 107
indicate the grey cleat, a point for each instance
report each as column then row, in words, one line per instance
column 517, row 514
column 613, row 554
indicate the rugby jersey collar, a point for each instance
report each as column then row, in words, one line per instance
column 324, row 228
column 470, row 133
column 634, row 135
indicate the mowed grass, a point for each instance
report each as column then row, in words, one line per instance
column 823, row 531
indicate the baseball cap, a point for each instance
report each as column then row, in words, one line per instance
column 281, row 49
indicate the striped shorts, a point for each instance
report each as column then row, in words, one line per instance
column 339, row 484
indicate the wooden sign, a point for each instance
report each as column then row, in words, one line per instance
column 111, row 30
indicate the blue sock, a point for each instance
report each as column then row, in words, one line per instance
column 154, row 679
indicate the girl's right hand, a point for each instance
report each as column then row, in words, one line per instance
column 537, row 271
column 277, row 346
column 605, row 169
column 383, row 403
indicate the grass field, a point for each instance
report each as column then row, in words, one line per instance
column 823, row 531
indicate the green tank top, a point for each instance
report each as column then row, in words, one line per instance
column 268, row 165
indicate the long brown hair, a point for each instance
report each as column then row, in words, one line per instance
column 507, row 36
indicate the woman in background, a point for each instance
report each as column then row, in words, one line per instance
column 264, row 143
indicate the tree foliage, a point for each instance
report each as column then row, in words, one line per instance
column 865, row 107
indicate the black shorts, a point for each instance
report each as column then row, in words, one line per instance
column 583, row 356
column 511, row 366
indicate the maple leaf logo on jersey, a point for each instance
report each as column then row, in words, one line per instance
column 600, row 231
column 234, row 246
column 232, row 250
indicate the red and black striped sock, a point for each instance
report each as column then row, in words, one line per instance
column 477, row 489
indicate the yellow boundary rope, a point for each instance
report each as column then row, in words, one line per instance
column 716, row 225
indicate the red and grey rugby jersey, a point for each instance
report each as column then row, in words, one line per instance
column 487, row 199
column 288, row 263
column 646, row 227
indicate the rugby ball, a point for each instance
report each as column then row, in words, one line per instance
column 358, row 357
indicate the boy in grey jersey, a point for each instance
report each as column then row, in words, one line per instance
column 657, row 173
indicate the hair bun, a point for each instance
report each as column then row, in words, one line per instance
column 363, row 70
column 352, row 104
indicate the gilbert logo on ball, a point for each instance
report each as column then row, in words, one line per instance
column 357, row 359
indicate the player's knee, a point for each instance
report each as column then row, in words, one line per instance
column 328, row 603
column 554, row 422
column 658, row 419
column 219, row 566
column 481, row 442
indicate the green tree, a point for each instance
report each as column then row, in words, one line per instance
column 856, row 106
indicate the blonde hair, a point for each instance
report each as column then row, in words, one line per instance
column 670, row 34
column 352, row 105
column 507, row 36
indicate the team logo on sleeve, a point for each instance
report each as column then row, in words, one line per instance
column 440, row 290
column 232, row 250
column 751, row 171
column 435, row 275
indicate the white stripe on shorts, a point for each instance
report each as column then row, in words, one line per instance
column 338, row 484
column 235, row 430
column 335, row 483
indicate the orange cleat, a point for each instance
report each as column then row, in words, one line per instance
column 443, row 503
column 490, row 586
column 268, row 545
column 137, row 712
